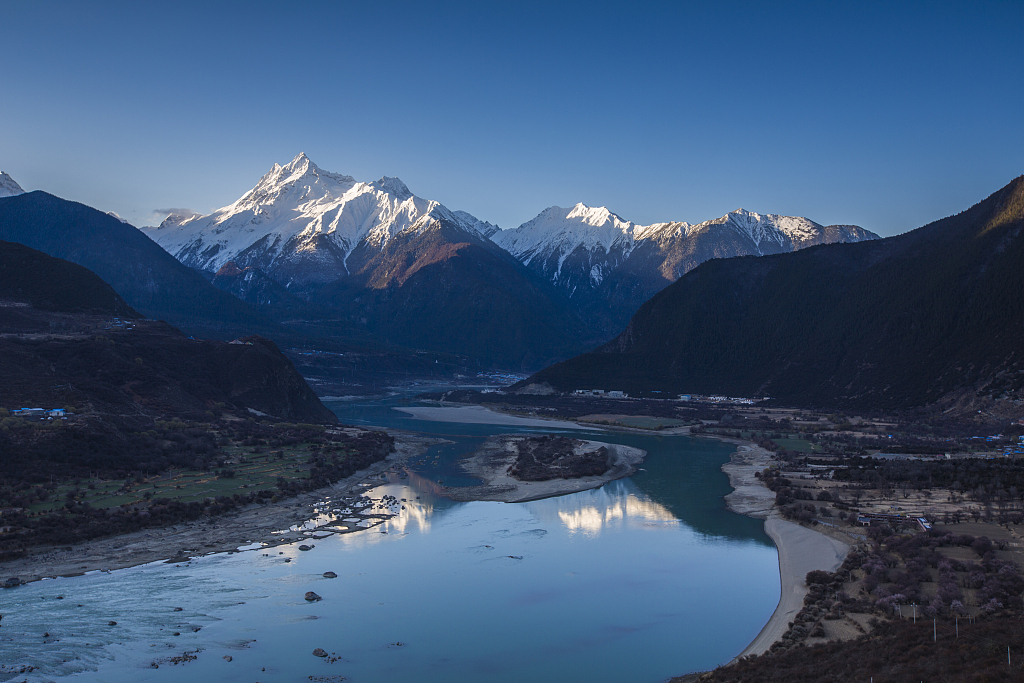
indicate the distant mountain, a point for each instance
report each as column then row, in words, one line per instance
column 253, row 286
column 31, row 277
column 381, row 262
column 148, row 278
column 443, row 290
column 936, row 314
column 608, row 266
column 9, row 188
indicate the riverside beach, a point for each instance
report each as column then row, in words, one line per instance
column 801, row 550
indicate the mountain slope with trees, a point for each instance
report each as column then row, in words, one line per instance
column 33, row 278
column 66, row 338
column 899, row 322
column 152, row 281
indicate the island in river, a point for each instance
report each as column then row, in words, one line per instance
column 516, row 468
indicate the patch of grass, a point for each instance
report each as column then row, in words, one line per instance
column 635, row 421
column 258, row 472
column 799, row 445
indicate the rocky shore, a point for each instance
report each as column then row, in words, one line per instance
column 267, row 524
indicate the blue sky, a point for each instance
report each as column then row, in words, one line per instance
column 887, row 115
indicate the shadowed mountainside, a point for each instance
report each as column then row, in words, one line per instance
column 444, row 290
column 899, row 322
column 152, row 281
column 32, row 277
column 66, row 338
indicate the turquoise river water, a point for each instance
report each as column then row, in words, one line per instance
column 642, row 579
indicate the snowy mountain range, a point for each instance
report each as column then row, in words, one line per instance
column 325, row 254
column 301, row 224
column 9, row 188
column 597, row 258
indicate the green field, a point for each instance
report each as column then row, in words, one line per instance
column 253, row 472
column 799, row 445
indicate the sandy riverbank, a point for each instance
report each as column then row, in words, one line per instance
column 490, row 464
column 800, row 549
column 254, row 524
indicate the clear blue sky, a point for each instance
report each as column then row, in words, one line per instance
column 887, row 115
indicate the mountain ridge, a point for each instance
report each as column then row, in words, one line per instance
column 8, row 186
column 310, row 229
column 904, row 321
column 611, row 266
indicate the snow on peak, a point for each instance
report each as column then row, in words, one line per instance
column 393, row 186
column 595, row 233
column 470, row 222
column 565, row 230
column 596, row 216
column 8, row 187
column 300, row 163
column 295, row 211
column 769, row 228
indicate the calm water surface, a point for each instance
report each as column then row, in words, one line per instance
column 639, row 580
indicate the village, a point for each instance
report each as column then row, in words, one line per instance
column 39, row 413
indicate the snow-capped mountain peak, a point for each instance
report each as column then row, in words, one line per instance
column 301, row 213
column 781, row 232
column 565, row 230
column 8, row 187
column 393, row 186
column 583, row 248
column 471, row 222
column 596, row 216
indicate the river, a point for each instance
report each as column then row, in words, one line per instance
column 642, row 579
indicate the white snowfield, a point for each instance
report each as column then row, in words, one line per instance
column 9, row 188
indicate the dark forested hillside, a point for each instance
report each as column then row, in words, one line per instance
column 66, row 338
column 444, row 290
column 147, row 277
column 151, row 370
column 899, row 322
column 32, row 277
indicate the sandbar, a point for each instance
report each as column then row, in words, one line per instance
column 486, row 416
